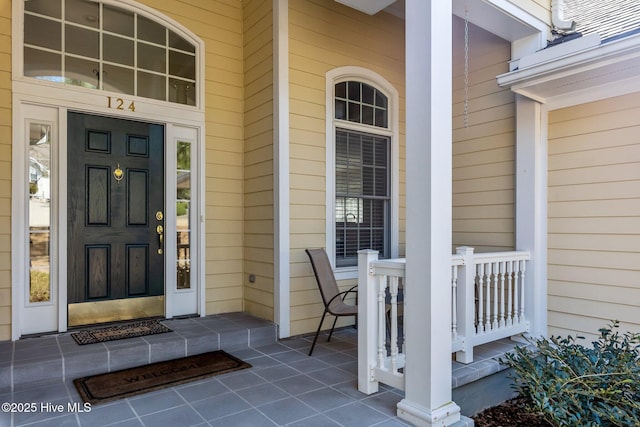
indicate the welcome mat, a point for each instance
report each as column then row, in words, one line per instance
column 130, row 382
column 111, row 333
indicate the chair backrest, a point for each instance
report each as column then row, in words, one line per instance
column 324, row 274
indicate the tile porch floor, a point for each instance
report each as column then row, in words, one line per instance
column 284, row 387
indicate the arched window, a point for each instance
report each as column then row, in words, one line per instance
column 101, row 46
column 363, row 147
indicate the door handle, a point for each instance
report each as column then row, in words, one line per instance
column 160, row 232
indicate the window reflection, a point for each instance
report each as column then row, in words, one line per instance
column 107, row 48
column 183, row 208
column 39, row 212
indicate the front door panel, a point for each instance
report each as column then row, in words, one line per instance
column 115, row 187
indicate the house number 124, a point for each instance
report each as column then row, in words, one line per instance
column 119, row 104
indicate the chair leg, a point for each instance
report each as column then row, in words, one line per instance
column 334, row 325
column 317, row 332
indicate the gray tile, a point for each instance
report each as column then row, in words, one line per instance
column 287, row 411
column 128, row 357
column 309, row 364
column 5, row 417
column 262, row 394
column 262, row 335
column 248, row 418
column 156, row 401
column 110, row 413
column 167, row 350
column 201, row 390
column 298, row 384
column 183, row 416
column 315, row 421
column 356, row 414
column 238, row 381
column 263, row 362
column 325, row 399
column 335, row 359
column 68, row 420
column 289, row 356
column 133, row 422
column 83, row 364
column 247, row 354
column 277, row 372
column 273, row 348
column 202, row 344
column 220, row 406
column 331, row 375
column 41, row 410
column 233, row 339
column 42, row 393
column 5, row 376
column 350, row 388
column 385, row 402
column 6, row 348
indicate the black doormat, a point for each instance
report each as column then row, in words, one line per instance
column 130, row 382
column 128, row 330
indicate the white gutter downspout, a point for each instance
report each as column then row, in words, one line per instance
column 557, row 17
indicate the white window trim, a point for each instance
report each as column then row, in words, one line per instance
column 366, row 76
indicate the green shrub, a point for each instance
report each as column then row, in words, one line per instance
column 573, row 385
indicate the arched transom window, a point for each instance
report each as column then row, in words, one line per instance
column 101, row 46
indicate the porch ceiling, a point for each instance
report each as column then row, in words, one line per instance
column 611, row 69
column 494, row 16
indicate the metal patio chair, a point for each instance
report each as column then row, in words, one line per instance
column 332, row 298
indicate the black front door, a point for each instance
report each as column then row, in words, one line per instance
column 115, row 209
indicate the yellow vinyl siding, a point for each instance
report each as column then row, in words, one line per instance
column 484, row 151
column 322, row 36
column 594, row 216
column 219, row 24
column 258, row 158
column 5, row 170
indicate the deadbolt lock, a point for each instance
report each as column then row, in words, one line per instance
column 159, row 216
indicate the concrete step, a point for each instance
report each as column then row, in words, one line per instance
column 57, row 357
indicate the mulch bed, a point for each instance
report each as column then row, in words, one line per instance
column 511, row 413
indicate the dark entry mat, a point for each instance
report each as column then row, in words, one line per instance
column 111, row 333
column 130, row 382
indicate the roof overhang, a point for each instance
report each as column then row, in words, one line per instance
column 370, row 7
column 582, row 75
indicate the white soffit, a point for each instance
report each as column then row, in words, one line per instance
column 499, row 17
column 370, row 7
column 611, row 69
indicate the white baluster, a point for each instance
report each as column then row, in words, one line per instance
column 494, row 314
column 382, row 351
column 502, row 268
column 480, row 272
column 393, row 291
column 487, row 296
column 454, row 302
column 510, row 293
column 522, row 269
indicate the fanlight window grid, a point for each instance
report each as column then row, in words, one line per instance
column 99, row 46
column 361, row 103
column 362, row 195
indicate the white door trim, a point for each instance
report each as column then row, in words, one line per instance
column 28, row 101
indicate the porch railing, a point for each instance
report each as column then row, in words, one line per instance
column 488, row 304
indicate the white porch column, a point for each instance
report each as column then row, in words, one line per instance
column 427, row 399
column 531, row 207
